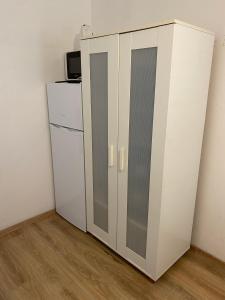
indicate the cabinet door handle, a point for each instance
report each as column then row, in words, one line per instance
column 122, row 159
column 111, row 156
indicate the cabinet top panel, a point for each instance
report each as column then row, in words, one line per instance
column 152, row 25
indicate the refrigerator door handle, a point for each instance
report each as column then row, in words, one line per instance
column 55, row 125
column 64, row 127
column 70, row 129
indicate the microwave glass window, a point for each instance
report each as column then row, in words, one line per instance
column 74, row 65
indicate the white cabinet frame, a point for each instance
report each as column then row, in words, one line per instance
column 110, row 45
column 129, row 41
column 184, row 56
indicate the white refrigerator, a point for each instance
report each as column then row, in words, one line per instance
column 66, row 128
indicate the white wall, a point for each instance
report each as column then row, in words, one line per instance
column 33, row 37
column 209, row 225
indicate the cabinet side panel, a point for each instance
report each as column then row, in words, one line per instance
column 190, row 73
column 164, row 56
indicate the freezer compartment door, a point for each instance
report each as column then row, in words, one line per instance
column 68, row 167
column 65, row 104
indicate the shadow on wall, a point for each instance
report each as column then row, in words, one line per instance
column 52, row 61
column 76, row 42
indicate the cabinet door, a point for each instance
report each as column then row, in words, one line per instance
column 142, row 54
column 100, row 98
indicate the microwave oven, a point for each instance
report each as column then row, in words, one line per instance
column 73, row 65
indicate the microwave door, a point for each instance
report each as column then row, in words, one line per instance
column 73, row 64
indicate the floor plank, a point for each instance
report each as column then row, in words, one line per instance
column 50, row 259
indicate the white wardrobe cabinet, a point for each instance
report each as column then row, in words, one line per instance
column 145, row 96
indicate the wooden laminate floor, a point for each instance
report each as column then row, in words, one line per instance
column 50, row 259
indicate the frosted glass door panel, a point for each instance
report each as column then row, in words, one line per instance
column 99, row 116
column 142, row 95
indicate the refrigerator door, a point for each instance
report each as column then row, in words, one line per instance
column 65, row 104
column 68, row 168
